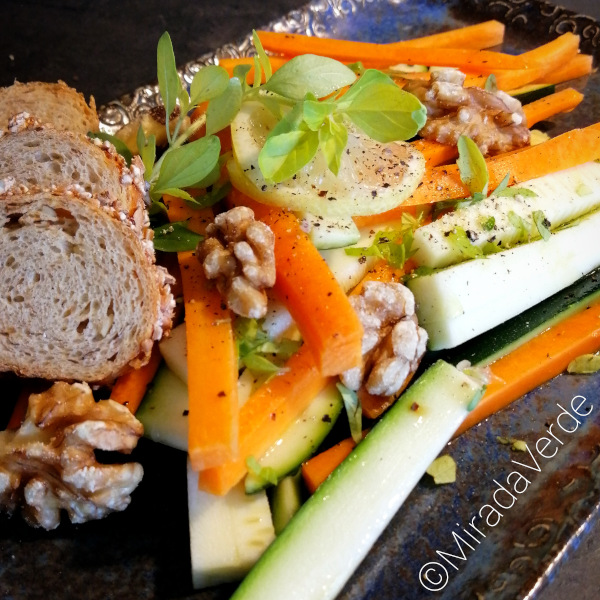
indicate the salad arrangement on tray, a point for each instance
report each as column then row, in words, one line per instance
column 298, row 219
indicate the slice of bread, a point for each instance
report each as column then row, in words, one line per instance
column 39, row 157
column 80, row 297
column 55, row 103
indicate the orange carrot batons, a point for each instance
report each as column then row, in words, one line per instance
column 265, row 416
column 305, row 284
column 553, row 104
column 129, row 389
column 381, row 55
column 537, row 361
column 212, row 357
column 440, row 183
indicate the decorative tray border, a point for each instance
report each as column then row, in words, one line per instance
column 311, row 20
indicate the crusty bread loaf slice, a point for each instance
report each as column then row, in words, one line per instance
column 35, row 157
column 80, row 297
column 55, row 103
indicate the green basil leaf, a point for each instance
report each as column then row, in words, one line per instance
column 147, row 150
column 289, row 147
column 460, row 241
column 502, row 185
column 169, row 83
column 284, row 155
column 179, row 193
column 241, row 72
column 263, row 59
column 315, row 113
column 310, row 74
column 157, row 207
column 184, row 102
column 175, row 237
column 489, row 224
column 491, row 84
column 511, row 192
column 271, row 104
column 119, row 145
column 257, row 72
column 333, row 137
column 357, row 67
column 260, row 365
column 208, row 83
column 187, row 165
column 216, row 194
column 211, row 178
column 521, row 225
column 386, row 113
column 222, row 109
column 353, row 410
column 369, row 77
column 542, row 224
column 472, row 167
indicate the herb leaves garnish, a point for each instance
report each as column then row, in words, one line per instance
column 393, row 246
column 313, row 98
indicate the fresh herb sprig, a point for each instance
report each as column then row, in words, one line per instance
column 393, row 246
column 257, row 351
column 306, row 95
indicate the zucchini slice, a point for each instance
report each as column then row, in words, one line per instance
column 334, row 530
column 458, row 303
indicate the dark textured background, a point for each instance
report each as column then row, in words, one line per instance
column 107, row 48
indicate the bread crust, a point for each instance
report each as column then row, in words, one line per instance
column 55, row 103
column 119, row 195
column 53, row 338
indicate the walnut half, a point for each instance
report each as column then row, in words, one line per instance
column 495, row 121
column 239, row 253
column 48, row 464
column 392, row 344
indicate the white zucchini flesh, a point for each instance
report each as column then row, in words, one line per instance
column 334, row 530
column 300, row 439
column 462, row 301
column 227, row 533
column 174, row 351
column 562, row 197
column 329, row 232
column 349, row 270
column 163, row 412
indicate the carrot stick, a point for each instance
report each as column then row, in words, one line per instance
column 579, row 66
column 435, row 153
column 381, row 55
column 544, row 108
column 473, row 37
column 381, row 271
column 441, row 183
column 537, row 361
column 211, row 355
column 305, row 284
column 265, row 416
column 129, row 389
column 522, row 370
column 476, row 37
column 316, row 469
column 541, row 61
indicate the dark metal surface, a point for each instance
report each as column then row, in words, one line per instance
column 107, row 49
